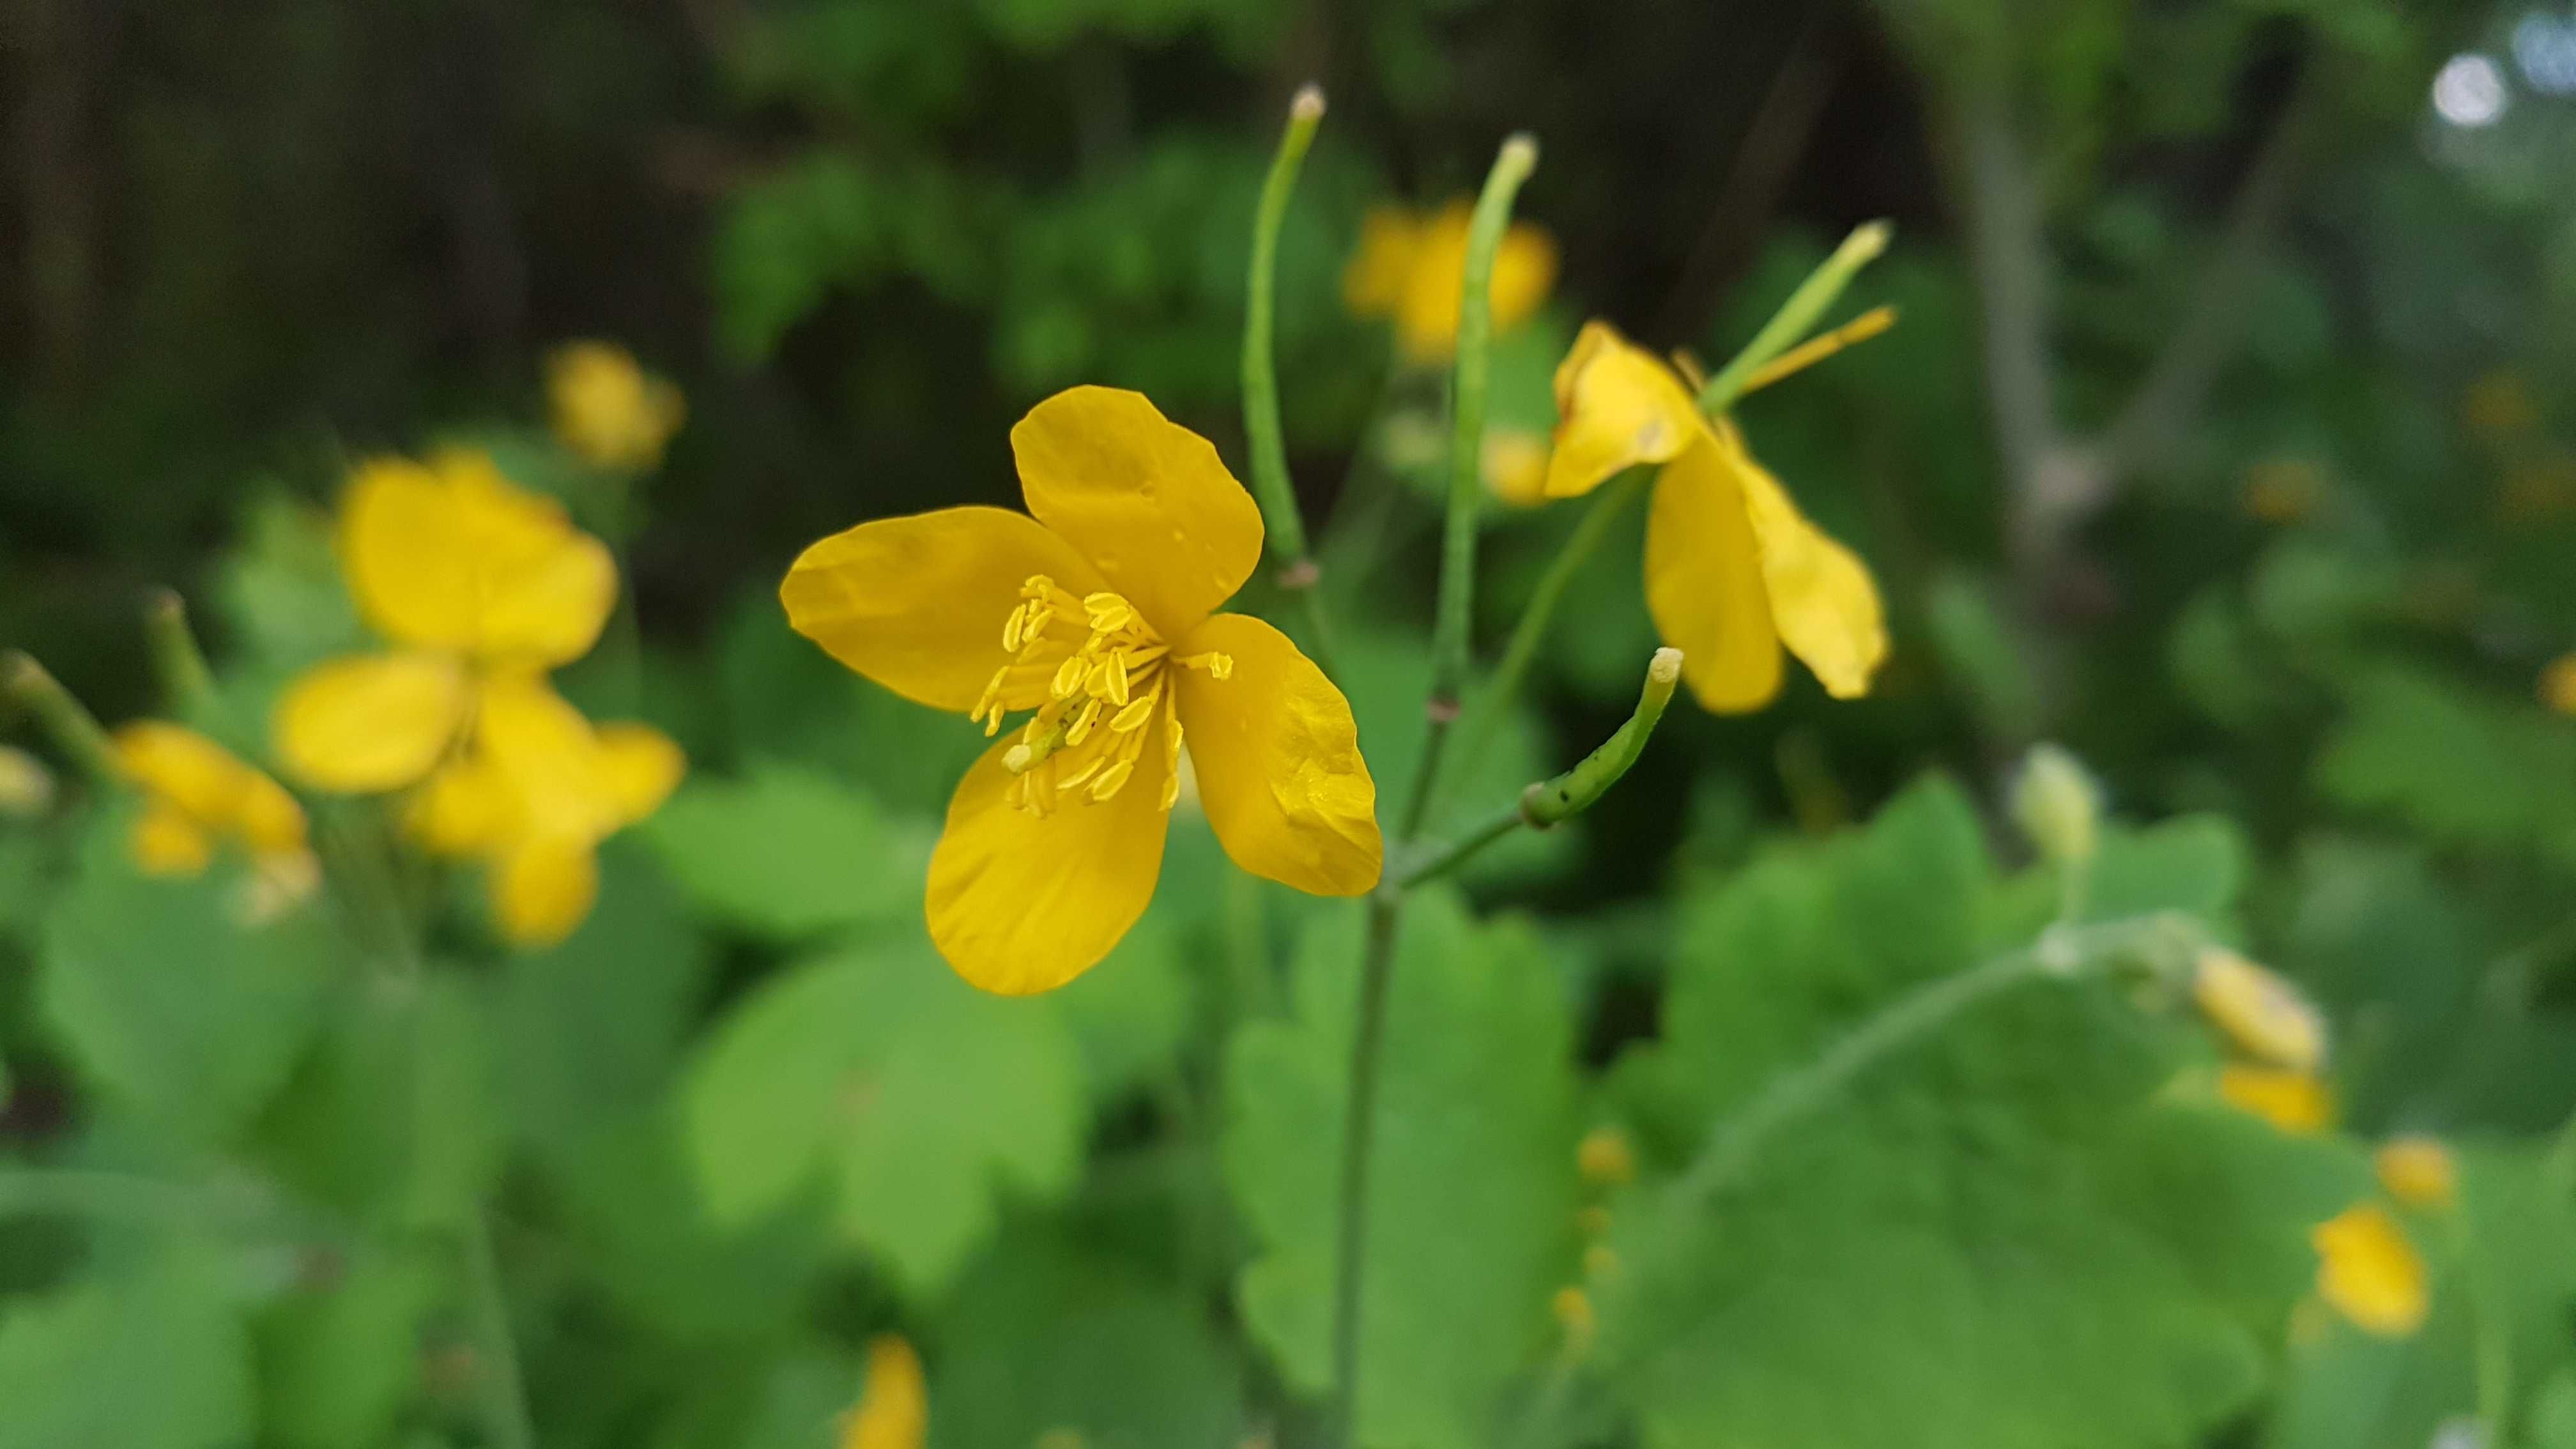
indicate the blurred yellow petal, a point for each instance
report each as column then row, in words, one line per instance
column 371, row 722
column 409, row 556
column 2368, row 1272
column 2558, row 684
column 1278, row 761
column 1146, row 500
column 545, row 588
column 2294, row 1102
column 1513, row 464
column 2417, row 1171
column 466, row 808
column 1616, row 407
column 267, row 818
column 1823, row 602
column 1426, row 311
column 1704, row 583
column 1373, row 283
column 918, row 604
column 893, row 1411
column 1524, row 273
column 639, row 767
column 167, row 842
column 543, row 887
column 607, row 409
column 1022, row 903
column 184, row 769
column 2263, row 1015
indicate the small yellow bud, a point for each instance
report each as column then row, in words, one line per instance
column 2417, row 1172
column 1573, row 1310
column 26, row 786
column 2294, row 1102
column 2263, row 1015
column 1606, row 1158
column 2368, row 1272
column 2558, row 684
column 2057, row 805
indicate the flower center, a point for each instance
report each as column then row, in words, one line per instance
column 1108, row 677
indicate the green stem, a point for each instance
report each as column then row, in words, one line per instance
column 1284, row 525
column 74, row 729
column 503, row 1391
column 1377, row 965
column 1476, row 730
column 1797, row 316
column 1467, row 396
column 187, row 683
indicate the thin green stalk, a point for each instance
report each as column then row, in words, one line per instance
column 1797, row 316
column 1368, row 1029
column 75, row 731
column 1285, row 527
column 1467, row 396
column 187, row 683
column 1476, row 730
column 503, row 1391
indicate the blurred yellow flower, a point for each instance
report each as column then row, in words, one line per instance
column 1096, row 614
column 1733, row 570
column 1513, row 465
column 197, row 794
column 893, row 1411
column 2558, row 684
column 607, row 409
column 1412, row 267
column 1573, row 1310
column 2263, row 1015
column 2368, row 1271
column 2284, row 490
column 537, row 791
column 473, row 581
column 1605, row 1157
column 2294, row 1102
column 2417, row 1172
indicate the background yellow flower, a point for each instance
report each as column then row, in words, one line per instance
column 607, row 409
column 1411, row 267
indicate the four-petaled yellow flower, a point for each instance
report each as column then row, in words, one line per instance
column 2262, row 1015
column 2370, row 1273
column 196, row 794
column 1733, row 570
column 1413, row 268
column 893, row 1411
column 2294, row 1102
column 2417, row 1172
column 1096, row 614
column 607, row 409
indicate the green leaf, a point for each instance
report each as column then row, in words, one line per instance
column 339, row 1359
column 1042, row 1338
column 169, row 998
column 906, row 1096
column 2463, row 768
column 1471, row 1188
column 1131, row 1014
column 153, row 1359
column 787, row 853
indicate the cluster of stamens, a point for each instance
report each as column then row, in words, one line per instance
column 1102, row 692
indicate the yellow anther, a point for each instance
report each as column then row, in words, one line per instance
column 1074, row 780
column 1080, row 729
column 1133, row 717
column 1068, row 677
column 1117, row 676
column 1218, row 666
column 1112, row 780
column 1108, row 612
column 1011, row 629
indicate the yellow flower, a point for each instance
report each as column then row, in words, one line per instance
column 893, row 1411
column 2294, row 1102
column 1413, row 268
column 537, row 792
column 2558, row 684
column 2417, row 1172
column 1513, row 465
column 2370, row 1273
column 2262, row 1014
column 474, row 581
column 1733, row 570
column 1605, row 1157
column 1095, row 614
column 610, row 412
column 197, row 794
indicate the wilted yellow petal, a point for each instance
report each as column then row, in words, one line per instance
column 167, row 842
column 543, row 888
column 1146, row 500
column 371, row 722
column 918, row 604
column 1704, row 583
column 2262, row 1014
column 893, row 1411
column 1823, row 601
column 1616, row 407
column 607, row 410
column 2292, row 1101
column 1023, row 903
column 2370, row 1273
column 2417, row 1172
column 1278, row 761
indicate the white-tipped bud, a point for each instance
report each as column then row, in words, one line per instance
column 1867, row 242
column 1520, row 152
column 1308, row 104
column 2057, row 805
column 1666, row 666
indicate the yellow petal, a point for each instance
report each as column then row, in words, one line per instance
column 1616, row 407
column 1145, row 499
column 1021, row 903
column 2263, row 1015
column 639, row 766
column 183, row 770
column 2370, row 1273
column 409, row 556
column 1373, row 283
column 545, row 588
column 370, row 722
column 1278, row 761
column 466, row 808
column 2294, row 1102
column 1704, row 583
column 2558, row 684
column 893, row 1411
column 918, row 604
column 607, row 410
column 562, row 780
column 1426, row 314
column 1823, row 601
column 543, row 888
column 267, row 818
column 167, row 842
column 2417, row 1172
